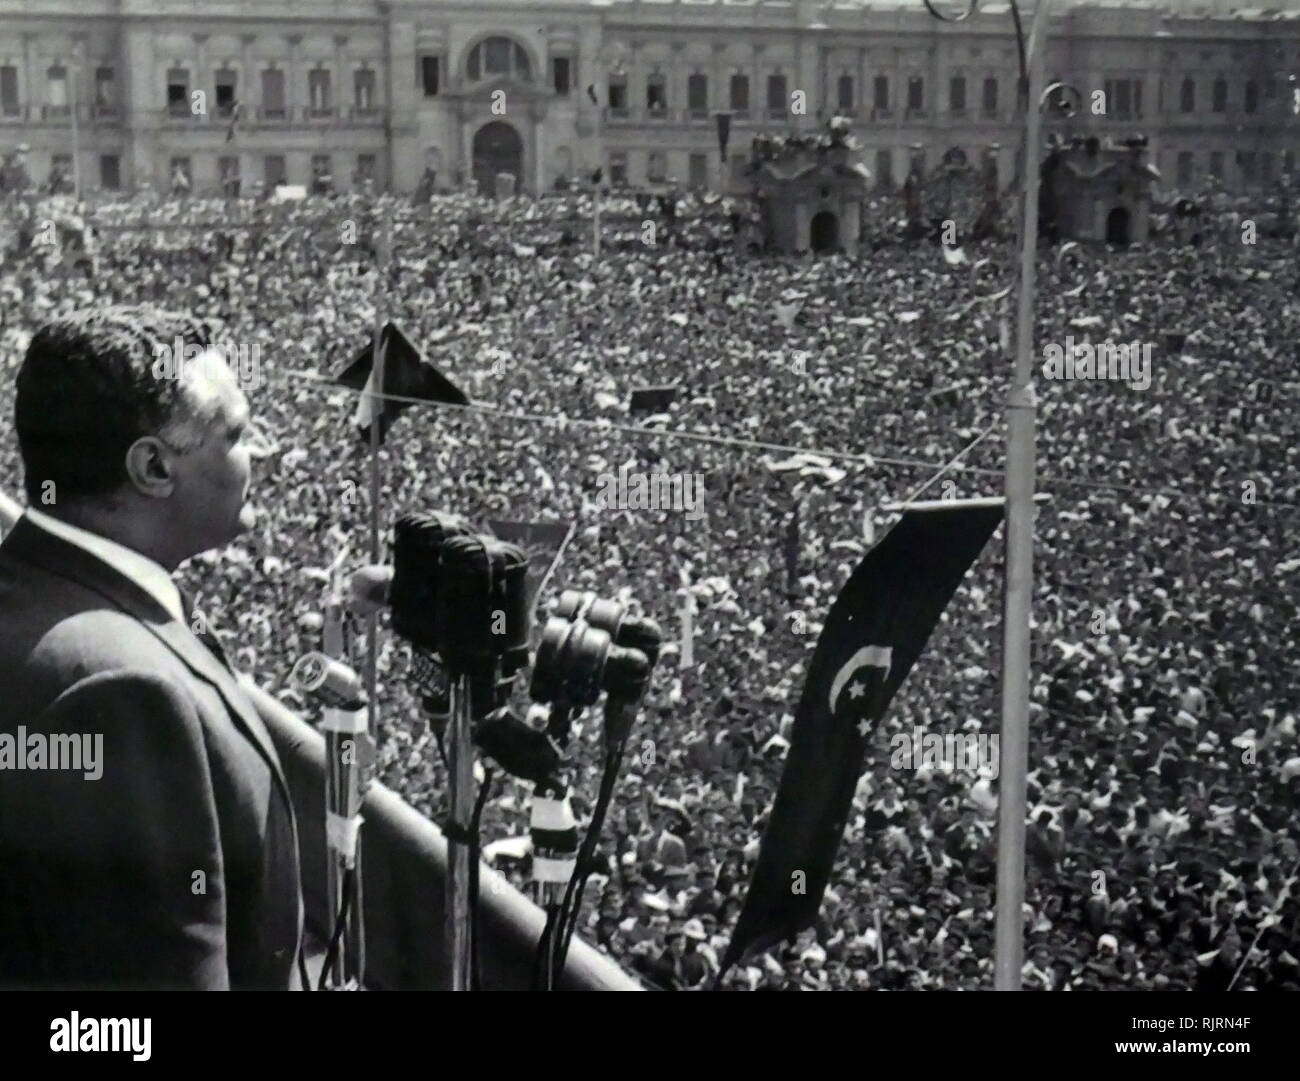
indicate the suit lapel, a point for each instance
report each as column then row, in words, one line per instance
column 57, row 556
column 204, row 664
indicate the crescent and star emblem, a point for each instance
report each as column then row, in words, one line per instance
column 866, row 657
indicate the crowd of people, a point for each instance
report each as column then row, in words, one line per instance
column 1165, row 771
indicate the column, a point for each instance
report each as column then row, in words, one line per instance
column 466, row 141
column 141, row 102
column 757, row 91
column 636, row 83
column 30, row 78
column 865, row 89
column 538, row 110
column 201, row 76
column 677, row 83
column 247, row 77
column 342, row 92
column 720, row 79
column 291, row 95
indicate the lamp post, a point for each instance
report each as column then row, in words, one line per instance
column 1018, row 595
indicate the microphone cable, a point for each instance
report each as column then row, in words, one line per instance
column 572, row 905
column 345, row 906
column 475, row 847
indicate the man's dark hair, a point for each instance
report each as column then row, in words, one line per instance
column 86, row 391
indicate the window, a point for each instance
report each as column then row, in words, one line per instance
column 562, row 75
column 618, row 92
column 1266, row 166
column 739, row 94
column 429, row 76
column 323, row 172
column 778, row 101
column 273, row 94
column 1185, row 167
column 273, row 171
column 1216, row 164
column 110, row 172
column 225, row 83
column 1251, row 99
column 957, row 94
column 915, row 94
column 880, row 94
column 1288, row 162
column 61, row 168
column 1119, row 98
column 9, row 91
column 844, row 93
column 363, row 90
column 178, row 92
column 1187, row 96
column 178, row 173
column 698, row 170
column 991, row 96
column 498, row 56
column 105, row 91
column 57, row 93
column 366, row 170
column 884, row 170
column 618, row 169
column 656, row 167
column 1219, row 103
column 697, row 93
column 656, row 93
column 1137, row 97
column 318, row 91
column 1246, row 163
column 228, row 171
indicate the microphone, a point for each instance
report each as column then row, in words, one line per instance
column 368, row 590
column 518, row 748
column 330, row 682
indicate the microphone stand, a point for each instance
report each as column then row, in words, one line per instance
column 344, row 725
column 460, row 769
column 343, row 792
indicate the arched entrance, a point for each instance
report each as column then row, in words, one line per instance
column 497, row 149
column 824, row 233
column 1117, row 226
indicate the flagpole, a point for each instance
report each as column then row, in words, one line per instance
column 1018, row 593
column 597, row 176
column 382, row 255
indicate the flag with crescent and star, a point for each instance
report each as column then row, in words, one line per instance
column 876, row 630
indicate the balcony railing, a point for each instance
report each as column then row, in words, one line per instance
column 87, row 113
column 251, row 118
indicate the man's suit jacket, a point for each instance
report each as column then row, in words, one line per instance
column 178, row 867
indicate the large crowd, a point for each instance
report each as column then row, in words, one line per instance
column 1165, row 770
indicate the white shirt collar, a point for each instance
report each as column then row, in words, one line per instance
column 140, row 569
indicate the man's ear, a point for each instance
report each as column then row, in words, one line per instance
column 150, row 467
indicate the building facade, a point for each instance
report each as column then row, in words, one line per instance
column 451, row 93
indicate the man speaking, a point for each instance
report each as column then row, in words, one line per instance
column 174, row 862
